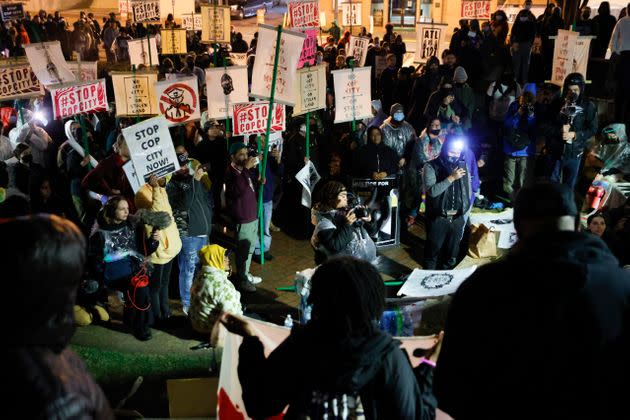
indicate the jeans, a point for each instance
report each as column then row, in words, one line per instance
column 520, row 61
column 188, row 259
column 267, row 212
column 515, row 169
column 442, row 245
column 247, row 235
column 565, row 171
column 158, row 287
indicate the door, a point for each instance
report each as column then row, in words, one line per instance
column 402, row 12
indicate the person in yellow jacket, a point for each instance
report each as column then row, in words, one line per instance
column 152, row 196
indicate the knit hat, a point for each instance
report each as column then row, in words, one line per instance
column 396, row 108
column 460, row 75
column 235, row 147
column 544, row 200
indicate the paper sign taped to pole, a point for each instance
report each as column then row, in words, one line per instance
column 84, row 71
column 429, row 37
column 303, row 13
column 173, row 41
column 251, row 118
column 139, row 52
column 192, row 22
column 308, row 177
column 225, row 87
column 215, row 24
column 238, row 59
column 151, row 148
column 563, row 56
column 431, row 283
column 84, row 98
column 48, row 63
column 19, row 81
column 357, row 48
column 352, row 94
column 309, row 49
column 145, row 10
column 132, row 176
column 135, row 94
column 351, row 14
column 178, row 100
column 311, row 88
column 263, row 74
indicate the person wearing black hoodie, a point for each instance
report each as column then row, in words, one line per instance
column 341, row 354
column 375, row 160
column 422, row 89
column 553, row 319
column 603, row 25
column 521, row 40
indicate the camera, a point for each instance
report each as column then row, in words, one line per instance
column 360, row 212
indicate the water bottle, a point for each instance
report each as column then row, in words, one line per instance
column 288, row 321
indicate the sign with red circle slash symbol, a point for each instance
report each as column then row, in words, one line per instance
column 178, row 100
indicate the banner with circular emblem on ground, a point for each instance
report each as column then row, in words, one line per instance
column 178, row 100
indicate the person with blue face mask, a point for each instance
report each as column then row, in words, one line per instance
column 397, row 132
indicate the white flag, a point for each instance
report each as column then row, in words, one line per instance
column 225, row 86
column 48, row 63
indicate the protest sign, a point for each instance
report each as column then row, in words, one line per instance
column 431, row 284
column 581, row 54
column 357, row 48
column 238, row 59
column 308, row 177
column 48, row 63
column 151, row 148
column 173, row 41
column 12, row 11
column 124, row 8
column 145, row 10
column 134, row 93
column 351, row 14
column 309, row 49
column 19, row 81
column 352, row 94
column 262, row 76
column 84, row 71
column 192, row 22
column 225, row 86
column 84, row 98
column 215, row 24
column 311, row 88
column 563, row 56
column 429, row 37
column 476, row 9
column 251, row 118
column 139, row 52
column 382, row 198
column 303, row 13
column 132, row 176
column 178, row 100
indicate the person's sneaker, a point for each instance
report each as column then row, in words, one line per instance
column 101, row 313
column 253, row 279
column 246, row 286
column 273, row 227
column 257, row 260
column 82, row 317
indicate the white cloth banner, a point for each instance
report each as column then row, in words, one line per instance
column 290, row 49
column 563, row 55
column 139, row 52
column 303, row 13
column 178, row 100
column 85, row 98
column 352, row 94
column 351, row 14
column 215, row 24
column 134, row 93
column 48, row 63
column 357, row 47
column 429, row 37
column 192, row 22
column 225, row 86
column 311, row 88
column 308, row 177
column 145, row 10
column 19, row 81
column 432, row 284
column 251, row 118
column 151, row 148
column 85, row 71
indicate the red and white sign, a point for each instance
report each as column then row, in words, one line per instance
column 85, row 98
column 251, row 118
column 476, row 9
column 309, row 49
column 178, row 100
column 304, row 13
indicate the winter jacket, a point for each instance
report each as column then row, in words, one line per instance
column 107, row 176
column 372, row 366
column 423, row 150
column 584, row 125
column 156, row 199
column 523, row 31
column 512, row 121
column 437, row 188
column 212, row 293
column 397, row 137
column 192, row 208
column 563, row 289
column 334, row 237
column 240, row 194
column 375, row 158
column 465, row 96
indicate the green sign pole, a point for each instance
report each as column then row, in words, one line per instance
column 149, row 44
column 227, row 110
column 354, row 110
column 84, row 137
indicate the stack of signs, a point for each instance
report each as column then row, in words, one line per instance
column 84, row 71
column 11, row 11
column 232, row 82
column 262, row 76
column 251, row 118
column 215, row 24
column 139, row 52
column 178, row 100
column 145, row 10
column 134, row 93
column 192, row 22
column 85, row 98
column 173, row 41
column 351, row 14
column 311, row 88
column 303, row 13
column 357, row 48
column 19, row 81
column 352, row 94
column 429, row 37
column 151, row 148
column 48, row 63
column 309, row 49
column 563, row 56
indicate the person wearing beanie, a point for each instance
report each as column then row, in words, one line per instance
column 397, row 132
column 465, row 96
column 559, row 287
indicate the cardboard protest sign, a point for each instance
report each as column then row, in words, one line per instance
column 311, row 88
column 226, row 86
column 145, row 10
column 215, row 24
column 139, row 52
column 303, row 13
column 178, row 100
column 135, row 93
column 308, row 177
column 48, row 63
column 476, row 9
column 84, row 98
column 251, row 118
column 429, row 37
column 352, row 94
column 563, row 56
column 309, row 49
column 357, row 48
column 262, row 76
column 192, row 22
column 351, row 14
column 11, row 11
column 238, row 59
column 84, row 71
column 173, row 41
column 151, row 148
column 19, row 81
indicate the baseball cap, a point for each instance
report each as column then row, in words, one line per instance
column 544, row 200
column 235, row 147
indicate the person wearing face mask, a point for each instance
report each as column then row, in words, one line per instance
column 375, row 160
column 449, row 63
column 422, row 89
column 459, row 37
column 443, row 106
column 521, row 40
column 500, row 26
column 448, row 190
column 190, row 69
column 397, row 132
column 492, row 59
column 387, row 81
column 465, row 96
